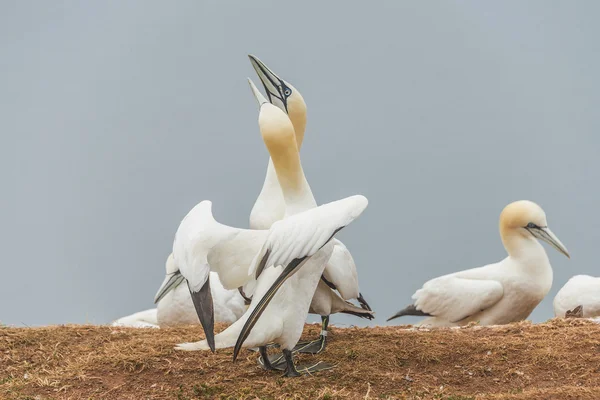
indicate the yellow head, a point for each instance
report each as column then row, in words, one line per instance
column 283, row 95
column 526, row 219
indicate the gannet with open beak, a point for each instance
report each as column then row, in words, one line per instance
column 579, row 297
column 276, row 201
column 301, row 242
column 499, row 293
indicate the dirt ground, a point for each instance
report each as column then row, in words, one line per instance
column 555, row 360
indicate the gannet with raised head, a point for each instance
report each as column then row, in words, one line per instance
column 277, row 201
column 301, row 242
column 579, row 297
column 499, row 293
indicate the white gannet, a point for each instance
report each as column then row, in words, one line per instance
column 302, row 242
column 142, row 319
column 274, row 203
column 499, row 293
column 282, row 297
column 579, row 297
column 175, row 307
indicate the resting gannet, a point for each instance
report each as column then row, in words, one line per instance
column 581, row 291
column 175, row 307
column 499, row 293
column 276, row 201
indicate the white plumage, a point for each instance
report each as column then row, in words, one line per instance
column 499, row 293
column 580, row 290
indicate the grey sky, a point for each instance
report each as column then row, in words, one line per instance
column 120, row 116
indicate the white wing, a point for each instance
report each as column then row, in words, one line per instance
column 303, row 234
column 453, row 299
column 341, row 271
column 231, row 257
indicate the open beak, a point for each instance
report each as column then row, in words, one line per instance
column 272, row 83
column 290, row 270
column 203, row 303
column 171, row 282
column 257, row 94
column 547, row 236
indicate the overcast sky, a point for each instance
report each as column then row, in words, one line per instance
column 120, row 116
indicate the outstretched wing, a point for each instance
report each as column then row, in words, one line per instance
column 302, row 235
column 292, row 241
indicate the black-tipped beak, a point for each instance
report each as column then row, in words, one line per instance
column 274, row 85
column 203, row 303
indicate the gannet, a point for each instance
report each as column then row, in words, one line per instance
column 291, row 289
column 276, row 201
column 499, row 293
column 580, row 291
column 142, row 319
column 175, row 307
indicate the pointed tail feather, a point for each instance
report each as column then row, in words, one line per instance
column 409, row 310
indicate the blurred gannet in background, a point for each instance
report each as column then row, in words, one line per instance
column 175, row 307
column 579, row 297
column 499, row 293
column 142, row 319
column 301, row 242
column 276, row 201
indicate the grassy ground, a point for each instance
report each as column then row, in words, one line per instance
column 556, row 360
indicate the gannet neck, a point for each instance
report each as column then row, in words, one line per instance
column 522, row 247
column 297, row 114
column 279, row 137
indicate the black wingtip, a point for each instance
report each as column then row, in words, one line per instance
column 409, row 310
column 363, row 303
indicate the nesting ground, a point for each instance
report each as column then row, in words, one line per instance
column 556, row 360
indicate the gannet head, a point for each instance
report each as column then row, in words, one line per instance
column 275, row 126
column 283, row 95
column 527, row 219
column 172, row 279
column 170, row 265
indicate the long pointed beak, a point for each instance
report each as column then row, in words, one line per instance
column 291, row 268
column 203, row 303
column 257, row 94
column 549, row 237
column 271, row 82
column 171, row 282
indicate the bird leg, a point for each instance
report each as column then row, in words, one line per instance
column 314, row 346
column 290, row 369
column 271, row 363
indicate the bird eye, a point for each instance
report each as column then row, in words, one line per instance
column 287, row 91
column 531, row 225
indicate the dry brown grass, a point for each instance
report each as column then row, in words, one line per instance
column 556, row 360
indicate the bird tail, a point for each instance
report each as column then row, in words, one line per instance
column 349, row 308
column 409, row 310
